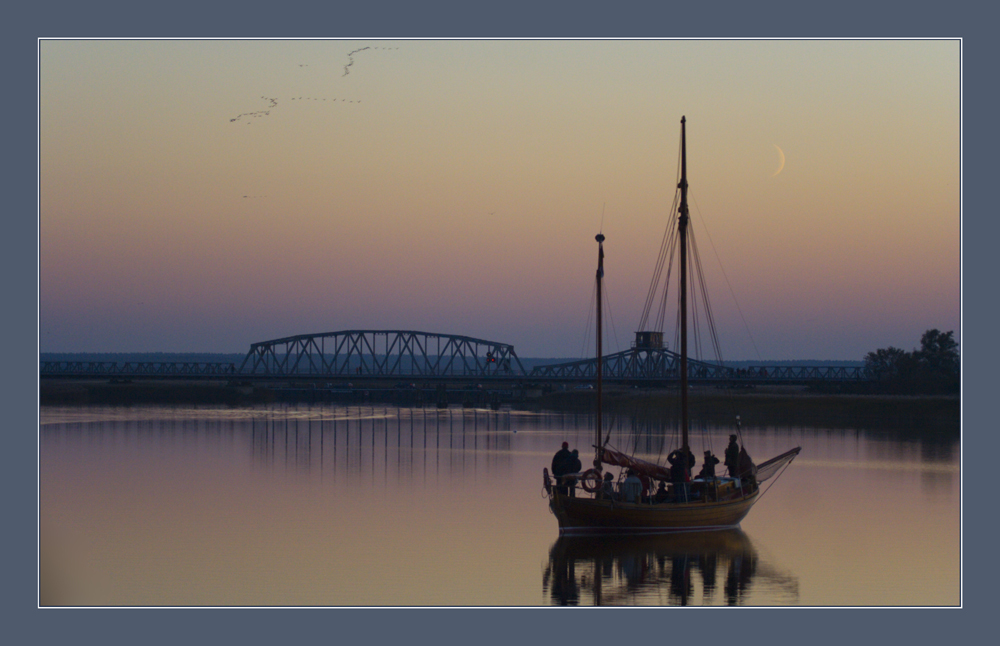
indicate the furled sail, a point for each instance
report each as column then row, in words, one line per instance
column 767, row 469
column 648, row 469
column 618, row 459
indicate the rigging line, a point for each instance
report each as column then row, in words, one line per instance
column 677, row 327
column 614, row 330
column 670, row 231
column 632, row 440
column 730, row 397
column 695, row 326
column 665, row 245
column 590, row 318
column 662, row 313
column 710, row 316
column 726, row 276
column 775, row 478
column 706, row 302
column 697, row 306
column 655, row 278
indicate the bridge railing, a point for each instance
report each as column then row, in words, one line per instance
column 644, row 364
column 803, row 373
column 136, row 368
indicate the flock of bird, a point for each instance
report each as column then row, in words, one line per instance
column 350, row 56
column 310, row 98
column 274, row 102
column 258, row 113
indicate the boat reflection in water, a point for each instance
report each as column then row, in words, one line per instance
column 693, row 568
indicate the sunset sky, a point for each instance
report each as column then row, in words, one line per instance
column 202, row 195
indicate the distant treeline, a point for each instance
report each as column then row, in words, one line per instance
column 935, row 368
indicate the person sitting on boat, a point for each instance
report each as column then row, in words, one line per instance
column 608, row 488
column 647, row 485
column 732, row 460
column 708, row 469
column 562, row 463
column 632, row 487
column 661, row 492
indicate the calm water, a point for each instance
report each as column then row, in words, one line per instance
column 383, row 506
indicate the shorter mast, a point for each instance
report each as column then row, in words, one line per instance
column 600, row 279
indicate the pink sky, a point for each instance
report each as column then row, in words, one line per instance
column 204, row 195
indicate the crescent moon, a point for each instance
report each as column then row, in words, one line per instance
column 782, row 164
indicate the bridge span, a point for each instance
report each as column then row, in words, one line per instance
column 393, row 355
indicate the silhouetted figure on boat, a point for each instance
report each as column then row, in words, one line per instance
column 562, row 463
column 562, row 460
column 646, row 486
column 747, row 471
column 608, row 487
column 732, row 461
column 708, row 469
column 676, row 459
column 632, row 487
column 680, row 473
column 661, row 492
column 575, row 466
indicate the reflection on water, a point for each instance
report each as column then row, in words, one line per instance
column 378, row 505
column 396, row 443
column 693, row 568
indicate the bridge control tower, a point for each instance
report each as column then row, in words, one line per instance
column 648, row 341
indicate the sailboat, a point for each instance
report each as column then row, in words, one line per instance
column 685, row 504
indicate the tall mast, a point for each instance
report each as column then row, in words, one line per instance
column 682, row 225
column 600, row 279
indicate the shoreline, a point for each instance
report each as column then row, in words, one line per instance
column 922, row 416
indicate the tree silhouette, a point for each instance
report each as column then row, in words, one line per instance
column 934, row 368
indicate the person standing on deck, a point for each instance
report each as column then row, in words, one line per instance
column 677, row 461
column 708, row 469
column 679, row 475
column 562, row 463
column 575, row 466
column 732, row 461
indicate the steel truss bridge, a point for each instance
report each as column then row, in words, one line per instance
column 381, row 353
column 401, row 354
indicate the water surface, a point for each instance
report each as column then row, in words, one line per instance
column 383, row 506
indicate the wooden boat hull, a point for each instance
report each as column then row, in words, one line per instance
column 585, row 516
